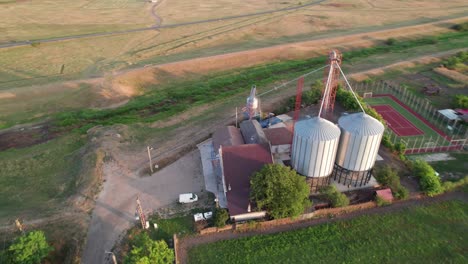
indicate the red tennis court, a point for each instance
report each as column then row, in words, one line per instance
column 399, row 124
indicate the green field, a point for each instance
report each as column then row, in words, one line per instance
column 410, row 140
column 431, row 234
column 35, row 180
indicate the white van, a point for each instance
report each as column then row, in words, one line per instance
column 188, row 198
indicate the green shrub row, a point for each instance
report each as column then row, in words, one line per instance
column 336, row 198
column 428, row 180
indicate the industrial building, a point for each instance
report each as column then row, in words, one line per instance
column 323, row 152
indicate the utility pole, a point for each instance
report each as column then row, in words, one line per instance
column 149, row 157
column 140, row 213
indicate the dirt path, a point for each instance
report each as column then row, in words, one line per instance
column 157, row 18
column 187, row 243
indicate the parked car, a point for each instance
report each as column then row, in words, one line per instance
column 187, row 198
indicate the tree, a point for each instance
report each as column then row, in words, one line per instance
column 336, row 198
column 148, row 251
column 280, row 190
column 220, row 217
column 30, row 248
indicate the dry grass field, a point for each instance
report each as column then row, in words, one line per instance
column 39, row 19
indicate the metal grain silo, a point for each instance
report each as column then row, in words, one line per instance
column 314, row 150
column 357, row 151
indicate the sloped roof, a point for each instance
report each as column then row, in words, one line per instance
column 361, row 124
column 278, row 136
column 252, row 132
column 317, row 129
column 239, row 164
column 227, row 136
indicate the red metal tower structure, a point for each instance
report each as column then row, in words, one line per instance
column 140, row 213
column 297, row 106
column 334, row 56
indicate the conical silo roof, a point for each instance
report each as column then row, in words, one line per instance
column 317, row 129
column 361, row 124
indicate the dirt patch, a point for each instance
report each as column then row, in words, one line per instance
column 7, row 95
column 451, row 74
column 27, row 136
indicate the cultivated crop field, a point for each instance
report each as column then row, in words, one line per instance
column 430, row 234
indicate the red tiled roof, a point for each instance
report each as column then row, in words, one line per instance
column 239, row 163
column 227, row 136
column 385, row 194
column 279, row 136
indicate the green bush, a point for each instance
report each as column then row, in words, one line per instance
column 449, row 185
column 402, row 193
column 428, row 180
column 461, row 27
column 391, row 41
column 220, row 217
column 387, row 143
column 400, row 148
column 457, row 61
column 460, row 101
column 381, row 202
column 388, row 177
column 346, row 98
column 336, row 198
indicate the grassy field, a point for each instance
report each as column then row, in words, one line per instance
column 431, row 234
column 35, row 180
column 415, row 77
column 42, row 19
column 84, row 58
column 167, row 99
column 458, row 165
column 410, row 140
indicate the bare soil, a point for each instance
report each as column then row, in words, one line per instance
column 27, row 136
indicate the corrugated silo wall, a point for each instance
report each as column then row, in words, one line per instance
column 355, row 158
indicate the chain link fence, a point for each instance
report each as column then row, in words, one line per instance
column 452, row 134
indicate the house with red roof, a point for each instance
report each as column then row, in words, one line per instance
column 238, row 164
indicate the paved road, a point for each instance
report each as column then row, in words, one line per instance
column 156, row 27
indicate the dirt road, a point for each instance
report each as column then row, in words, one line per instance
column 116, row 204
column 186, row 244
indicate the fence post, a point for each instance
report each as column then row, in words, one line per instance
column 421, row 144
column 414, row 143
column 436, row 145
column 419, row 105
